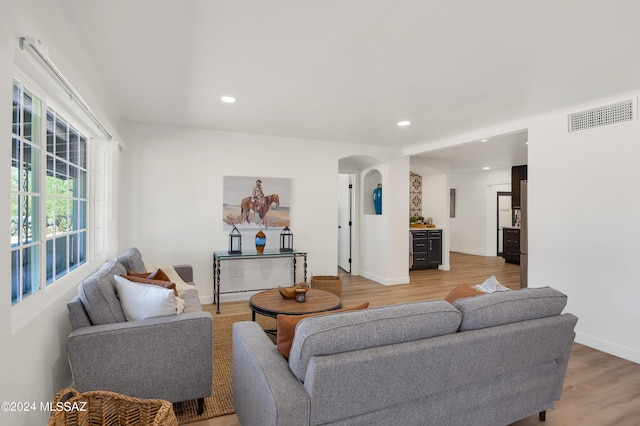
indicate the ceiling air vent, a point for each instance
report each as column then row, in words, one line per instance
column 616, row 113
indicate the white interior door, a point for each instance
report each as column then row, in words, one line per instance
column 345, row 207
column 505, row 217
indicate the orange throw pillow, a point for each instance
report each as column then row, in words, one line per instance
column 137, row 274
column 161, row 283
column 159, row 274
column 286, row 327
column 461, row 291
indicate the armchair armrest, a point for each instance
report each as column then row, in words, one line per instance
column 265, row 391
column 166, row 357
column 185, row 272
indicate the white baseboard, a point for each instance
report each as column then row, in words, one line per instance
column 385, row 281
column 206, row 300
column 608, row 347
column 472, row 252
column 228, row 297
column 236, row 297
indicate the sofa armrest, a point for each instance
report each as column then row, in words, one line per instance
column 165, row 358
column 185, row 272
column 265, row 391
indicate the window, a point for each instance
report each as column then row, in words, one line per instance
column 66, row 197
column 48, row 196
column 25, row 194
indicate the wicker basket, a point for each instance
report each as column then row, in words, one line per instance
column 71, row 408
column 328, row 283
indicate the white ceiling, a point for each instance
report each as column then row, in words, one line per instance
column 494, row 153
column 348, row 70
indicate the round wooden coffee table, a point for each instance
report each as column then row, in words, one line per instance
column 269, row 303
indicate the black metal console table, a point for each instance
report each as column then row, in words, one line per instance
column 219, row 256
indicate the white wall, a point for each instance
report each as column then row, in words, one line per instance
column 384, row 239
column 398, row 207
column 583, row 225
column 33, row 359
column 473, row 230
column 375, row 233
column 172, row 210
column 583, row 221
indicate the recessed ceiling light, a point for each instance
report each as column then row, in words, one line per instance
column 484, row 140
column 403, row 123
column 228, row 99
column 486, row 168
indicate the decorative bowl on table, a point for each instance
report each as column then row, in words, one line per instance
column 290, row 292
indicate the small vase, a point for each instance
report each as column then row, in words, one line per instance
column 377, row 199
column 261, row 241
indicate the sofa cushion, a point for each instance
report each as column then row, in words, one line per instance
column 142, row 301
column 131, row 258
column 77, row 315
column 98, row 295
column 191, row 300
column 286, row 326
column 350, row 331
column 509, row 306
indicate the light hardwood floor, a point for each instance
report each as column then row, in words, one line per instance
column 599, row 389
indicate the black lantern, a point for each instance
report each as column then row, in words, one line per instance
column 235, row 241
column 286, row 239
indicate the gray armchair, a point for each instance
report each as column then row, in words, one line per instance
column 166, row 358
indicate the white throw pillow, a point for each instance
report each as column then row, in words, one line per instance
column 140, row 301
column 491, row 285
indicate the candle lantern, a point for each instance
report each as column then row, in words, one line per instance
column 235, row 241
column 286, row 239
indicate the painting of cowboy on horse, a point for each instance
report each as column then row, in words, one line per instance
column 257, row 210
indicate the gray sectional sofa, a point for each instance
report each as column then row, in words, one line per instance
column 486, row 360
column 168, row 357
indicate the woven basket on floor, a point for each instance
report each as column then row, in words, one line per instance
column 71, row 408
column 329, row 283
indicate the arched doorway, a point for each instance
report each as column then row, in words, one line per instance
column 349, row 209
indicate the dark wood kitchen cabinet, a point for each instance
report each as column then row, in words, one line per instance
column 426, row 249
column 511, row 245
column 518, row 173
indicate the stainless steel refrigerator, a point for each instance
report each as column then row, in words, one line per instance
column 524, row 234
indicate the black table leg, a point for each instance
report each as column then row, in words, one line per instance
column 216, row 285
column 305, row 268
column 294, row 270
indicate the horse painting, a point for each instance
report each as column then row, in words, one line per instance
column 248, row 204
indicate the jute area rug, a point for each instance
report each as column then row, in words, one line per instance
column 219, row 403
